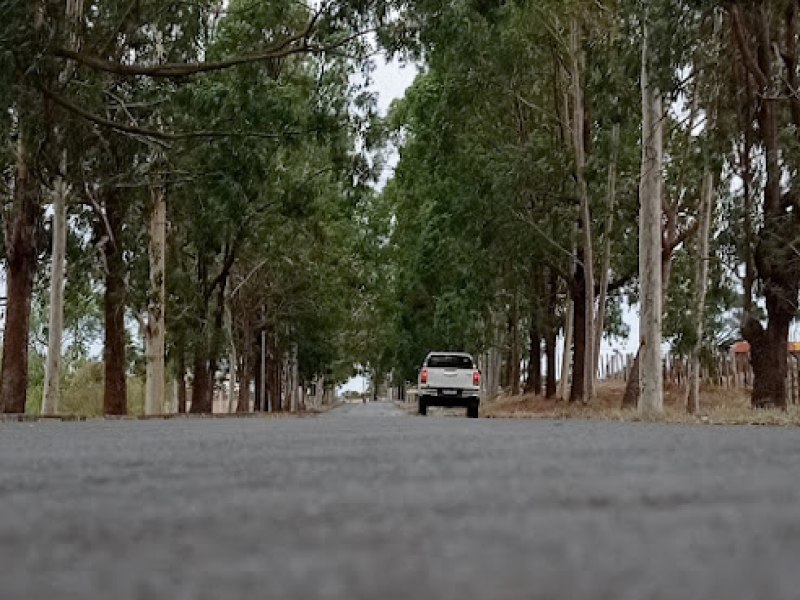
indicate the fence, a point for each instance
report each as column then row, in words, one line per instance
column 731, row 370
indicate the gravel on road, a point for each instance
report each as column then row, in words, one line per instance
column 366, row 502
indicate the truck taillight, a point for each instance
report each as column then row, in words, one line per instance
column 476, row 378
column 423, row 377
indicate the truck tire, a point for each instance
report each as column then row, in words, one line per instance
column 423, row 406
column 472, row 410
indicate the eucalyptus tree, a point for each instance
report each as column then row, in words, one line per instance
column 131, row 61
column 766, row 39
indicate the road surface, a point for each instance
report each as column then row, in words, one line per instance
column 369, row 503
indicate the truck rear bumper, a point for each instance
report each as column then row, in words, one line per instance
column 451, row 401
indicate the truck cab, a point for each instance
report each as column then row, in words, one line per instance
column 449, row 379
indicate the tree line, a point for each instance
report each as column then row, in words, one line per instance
column 186, row 175
column 560, row 159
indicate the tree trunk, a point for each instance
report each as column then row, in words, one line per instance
column 769, row 355
column 295, row 381
column 630, row 398
column 181, row 379
column 550, row 335
column 706, row 204
column 155, row 330
column 52, row 378
column 233, row 362
column 775, row 256
column 21, row 223
column 550, row 356
column 605, row 268
column 260, row 400
column 534, row 383
column 201, row 385
column 115, row 393
column 514, row 351
column 243, row 405
column 567, row 354
column 579, row 334
column 273, row 382
column 651, row 389
column 587, row 369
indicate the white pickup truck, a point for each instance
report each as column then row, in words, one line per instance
column 449, row 379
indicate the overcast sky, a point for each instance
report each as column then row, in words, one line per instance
column 391, row 80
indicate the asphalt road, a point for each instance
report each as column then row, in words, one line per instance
column 368, row 503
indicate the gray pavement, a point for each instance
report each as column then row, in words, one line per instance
column 369, row 503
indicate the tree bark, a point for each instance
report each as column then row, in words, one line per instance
column 775, row 257
column 52, row 378
column 533, row 385
column 605, row 268
column 21, row 224
column 514, row 353
column 155, row 330
column 181, row 379
column 651, row 389
column 274, row 375
column 115, row 394
column 201, row 385
column 567, row 353
column 551, row 334
column 630, row 398
column 577, row 392
column 587, row 369
column 707, row 202
column 243, row 406
column 260, row 403
column 295, row 381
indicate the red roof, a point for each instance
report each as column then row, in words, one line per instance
column 744, row 347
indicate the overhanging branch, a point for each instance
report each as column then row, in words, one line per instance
column 162, row 136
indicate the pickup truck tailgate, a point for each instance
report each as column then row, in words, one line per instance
column 449, row 378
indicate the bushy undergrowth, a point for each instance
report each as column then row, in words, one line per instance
column 82, row 392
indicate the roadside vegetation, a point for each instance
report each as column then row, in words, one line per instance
column 560, row 161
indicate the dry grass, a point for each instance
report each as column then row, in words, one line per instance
column 718, row 406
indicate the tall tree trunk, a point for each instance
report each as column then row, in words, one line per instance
column 273, row 373
column 514, row 352
column 52, row 373
column 775, row 256
column 155, row 331
column 233, row 359
column 295, row 381
column 201, row 385
column 605, row 268
column 566, row 356
column 260, row 403
column 651, row 389
column 579, row 336
column 533, row 385
column 551, row 334
column 550, row 357
column 245, row 377
column 115, row 394
column 21, row 223
column 181, row 380
column 587, row 374
column 706, row 205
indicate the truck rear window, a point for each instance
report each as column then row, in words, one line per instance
column 449, row 361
